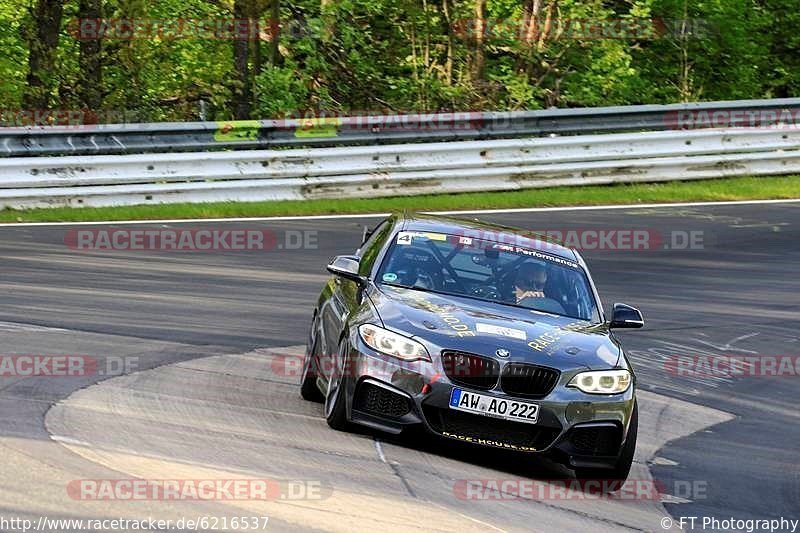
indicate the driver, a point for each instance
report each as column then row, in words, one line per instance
column 529, row 281
column 416, row 267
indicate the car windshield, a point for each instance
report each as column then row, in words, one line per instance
column 489, row 270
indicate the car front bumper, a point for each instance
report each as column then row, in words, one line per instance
column 578, row 429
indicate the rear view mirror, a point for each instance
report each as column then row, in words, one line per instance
column 625, row 316
column 346, row 266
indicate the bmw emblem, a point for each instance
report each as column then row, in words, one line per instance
column 501, row 352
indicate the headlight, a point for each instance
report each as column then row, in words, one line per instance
column 602, row 381
column 390, row 343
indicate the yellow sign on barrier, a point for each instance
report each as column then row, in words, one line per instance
column 237, row 130
column 318, row 127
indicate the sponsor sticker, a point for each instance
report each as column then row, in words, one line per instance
column 488, row 442
column 501, row 331
column 390, row 276
column 446, row 314
column 554, row 335
column 406, row 237
column 533, row 253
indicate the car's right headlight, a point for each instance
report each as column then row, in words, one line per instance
column 391, row 343
column 602, row 381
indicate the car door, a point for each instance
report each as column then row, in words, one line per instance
column 346, row 296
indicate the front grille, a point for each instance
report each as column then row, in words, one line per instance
column 528, row 381
column 596, row 440
column 485, row 428
column 376, row 400
column 471, row 370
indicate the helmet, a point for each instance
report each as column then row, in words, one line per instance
column 416, row 267
column 531, row 275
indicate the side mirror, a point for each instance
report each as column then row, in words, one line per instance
column 625, row 316
column 346, row 266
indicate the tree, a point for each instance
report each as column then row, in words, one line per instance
column 42, row 37
column 376, row 56
column 243, row 87
column 90, row 89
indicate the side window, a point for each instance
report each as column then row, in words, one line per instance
column 371, row 239
column 370, row 249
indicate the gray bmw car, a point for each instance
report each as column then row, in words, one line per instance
column 479, row 333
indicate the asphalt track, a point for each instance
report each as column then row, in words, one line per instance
column 203, row 398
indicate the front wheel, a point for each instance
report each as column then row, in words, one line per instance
column 308, row 382
column 336, row 399
column 619, row 473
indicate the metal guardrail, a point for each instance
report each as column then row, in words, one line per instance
column 402, row 169
column 380, row 130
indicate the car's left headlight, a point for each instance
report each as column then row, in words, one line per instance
column 391, row 343
column 602, row 381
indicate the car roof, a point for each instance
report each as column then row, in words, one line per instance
column 494, row 232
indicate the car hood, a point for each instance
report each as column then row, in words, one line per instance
column 459, row 323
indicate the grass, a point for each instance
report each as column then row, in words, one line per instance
column 746, row 188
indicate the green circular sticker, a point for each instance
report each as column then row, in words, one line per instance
column 390, row 276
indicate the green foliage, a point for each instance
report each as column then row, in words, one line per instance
column 13, row 60
column 349, row 56
column 280, row 91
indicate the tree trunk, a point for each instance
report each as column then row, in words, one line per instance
column 547, row 30
column 532, row 31
column 479, row 28
column 275, row 32
column 329, row 24
column 529, row 34
column 89, row 60
column 448, row 20
column 42, row 45
column 685, row 83
column 255, row 43
column 242, row 90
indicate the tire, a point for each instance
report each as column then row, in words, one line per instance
column 336, row 399
column 308, row 381
column 619, row 473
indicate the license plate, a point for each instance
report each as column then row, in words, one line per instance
column 493, row 406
